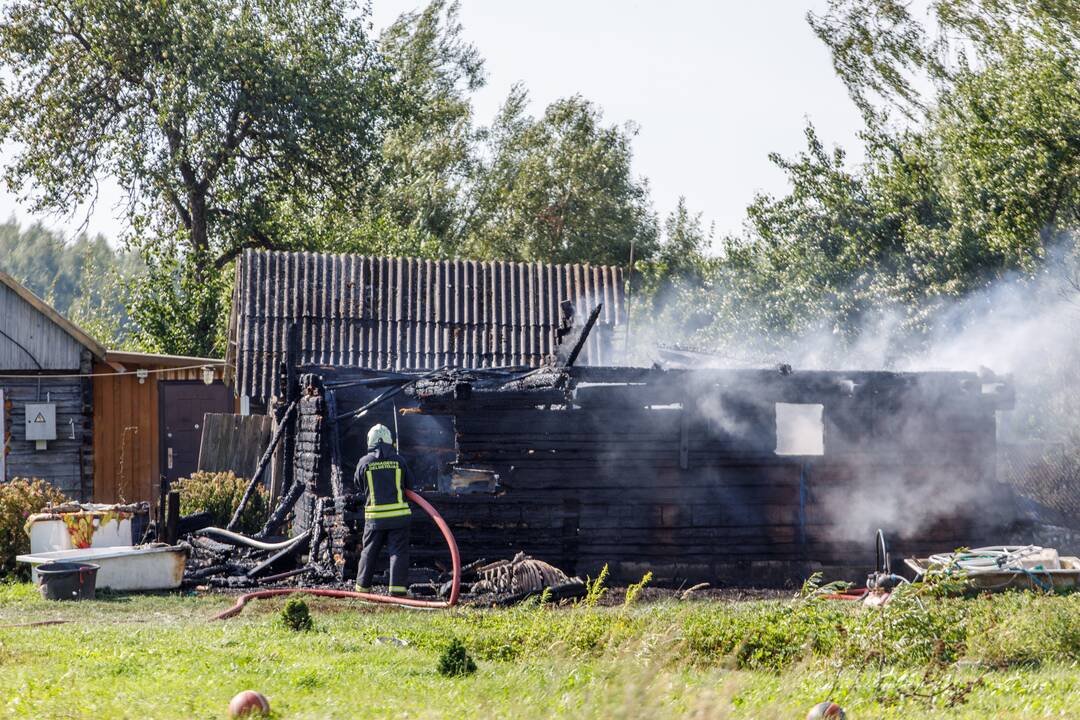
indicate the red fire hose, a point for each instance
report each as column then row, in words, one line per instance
column 455, row 587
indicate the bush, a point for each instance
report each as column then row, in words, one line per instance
column 296, row 616
column 219, row 494
column 19, row 499
column 455, row 660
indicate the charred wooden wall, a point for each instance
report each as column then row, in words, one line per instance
column 309, row 466
column 678, row 473
column 312, row 467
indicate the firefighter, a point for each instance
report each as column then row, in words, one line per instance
column 382, row 479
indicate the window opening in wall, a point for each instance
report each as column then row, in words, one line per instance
column 799, row 429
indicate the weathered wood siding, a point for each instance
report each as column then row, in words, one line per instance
column 43, row 339
column 232, row 442
column 68, row 461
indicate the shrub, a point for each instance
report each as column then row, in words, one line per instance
column 219, row 494
column 19, row 499
column 455, row 661
column 296, row 616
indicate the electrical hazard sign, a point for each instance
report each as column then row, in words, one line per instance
column 40, row 421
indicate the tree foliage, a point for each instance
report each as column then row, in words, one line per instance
column 415, row 202
column 84, row 278
column 976, row 182
column 560, row 188
column 287, row 125
column 240, row 123
column 210, row 113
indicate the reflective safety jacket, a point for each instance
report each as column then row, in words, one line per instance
column 382, row 478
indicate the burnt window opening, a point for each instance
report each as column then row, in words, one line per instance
column 466, row 481
column 800, row 429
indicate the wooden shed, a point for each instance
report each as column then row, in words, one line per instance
column 45, row 366
column 114, row 423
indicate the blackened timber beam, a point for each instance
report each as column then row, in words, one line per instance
column 336, row 483
column 452, row 391
column 263, row 462
column 813, row 386
column 684, row 435
column 277, row 559
column 277, row 518
column 172, row 517
column 576, row 339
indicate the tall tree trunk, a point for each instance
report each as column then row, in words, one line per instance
column 204, row 271
column 200, row 238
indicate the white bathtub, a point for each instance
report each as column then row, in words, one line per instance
column 142, row 567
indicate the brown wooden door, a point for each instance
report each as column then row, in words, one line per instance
column 182, row 405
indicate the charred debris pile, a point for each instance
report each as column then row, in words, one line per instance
column 739, row 477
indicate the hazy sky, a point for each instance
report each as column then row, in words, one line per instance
column 713, row 87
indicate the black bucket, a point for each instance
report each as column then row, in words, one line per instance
column 67, row 580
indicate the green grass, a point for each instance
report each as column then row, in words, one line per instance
column 144, row 656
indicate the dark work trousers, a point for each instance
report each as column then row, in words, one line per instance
column 397, row 544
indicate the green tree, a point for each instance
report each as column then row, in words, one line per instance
column 994, row 89
column 415, row 204
column 560, row 188
column 212, row 114
column 673, row 280
column 175, row 296
column 977, row 184
column 82, row 278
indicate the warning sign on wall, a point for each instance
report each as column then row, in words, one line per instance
column 40, row 421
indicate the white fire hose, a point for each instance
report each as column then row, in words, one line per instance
column 238, row 539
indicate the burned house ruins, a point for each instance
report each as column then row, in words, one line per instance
column 502, row 381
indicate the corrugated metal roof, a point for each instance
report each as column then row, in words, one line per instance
column 405, row 313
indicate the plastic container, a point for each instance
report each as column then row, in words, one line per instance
column 67, row 580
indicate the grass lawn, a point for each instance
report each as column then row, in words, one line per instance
column 143, row 656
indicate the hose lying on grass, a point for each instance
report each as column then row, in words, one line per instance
column 455, row 587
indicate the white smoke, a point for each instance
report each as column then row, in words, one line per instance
column 1024, row 327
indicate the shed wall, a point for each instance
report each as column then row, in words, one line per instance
column 68, row 461
column 47, row 343
column 127, row 434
